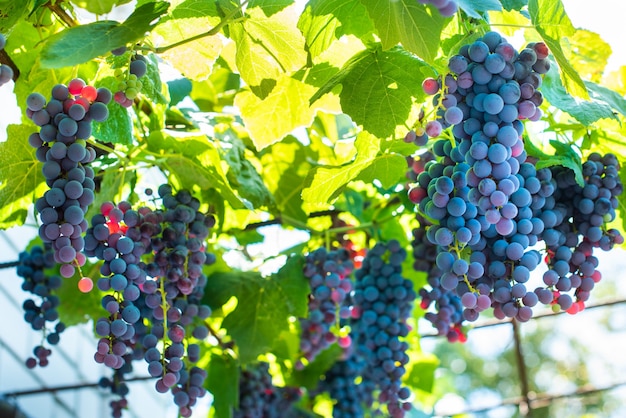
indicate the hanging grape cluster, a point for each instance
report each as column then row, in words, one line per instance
column 65, row 123
column 153, row 279
column 39, row 313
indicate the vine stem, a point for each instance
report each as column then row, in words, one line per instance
column 106, row 148
column 61, row 13
column 9, row 264
column 211, row 32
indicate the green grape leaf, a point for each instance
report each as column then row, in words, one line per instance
column 83, row 43
column 326, row 183
column 194, row 161
column 407, row 22
column 602, row 94
column 84, row 307
column 21, row 180
column 99, row 7
column 586, row 112
column 188, row 19
column 264, row 305
column 554, row 26
column 244, row 177
column 285, row 108
column 117, row 129
column 223, row 383
column 10, row 13
column 285, row 168
column 564, row 156
column 267, row 47
column 589, row 54
column 476, row 8
column 513, row 4
column 379, row 88
column 179, row 89
column 422, row 373
column 325, row 21
column 389, row 169
column 152, row 87
column 309, row 377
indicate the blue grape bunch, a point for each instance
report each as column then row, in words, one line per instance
column 6, row 72
column 384, row 299
column 32, row 266
column 259, row 398
column 328, row 273
column 65, row 123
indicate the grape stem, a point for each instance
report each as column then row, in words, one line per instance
column 211, row 32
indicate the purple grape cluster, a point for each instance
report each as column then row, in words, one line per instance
column 32, row 268
column 582, row 214
column 480, row 193
column 65, row 123
column 259, row 398
column 384, row 299
column 446, row 8
column 328, row 273
column 152, row 273
column 6, row 72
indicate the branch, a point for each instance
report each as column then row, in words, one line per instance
column 61, row 13
column 5, row 59
column 66, row 387
column 9, row 264
column 211, row 32
column 525, row 406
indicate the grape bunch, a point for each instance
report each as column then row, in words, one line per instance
column 152, row 273
column 328, row 273
column 32, row 268
column 6, row 72
column 480, row 193
column 384, row 299
column 65, row 124
column 446, row 8
column 259, row 398
column 129, row 83
column 582, row 214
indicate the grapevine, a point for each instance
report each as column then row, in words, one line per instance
column 254, row 206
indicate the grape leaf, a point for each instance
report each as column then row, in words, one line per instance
column 564, row 156
column 325, row 21
column 554, row 26
column 285, row 168
column 267, row 47
column 513, row 4
column 244, row 177
column 21, row 180
column 605, row 95
column 194, row 161
column 389, row 169
column 117, row 129
column 326, row 183
column 264, row 305
column 83, row 43
column 286, row 108
column 422, row 373
column 589, row 54
column 474, row 8
column 409, row 23
column 10, row 13
column 190, row 18
column 223, row 383
column 586, row 112
column 379, row 88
